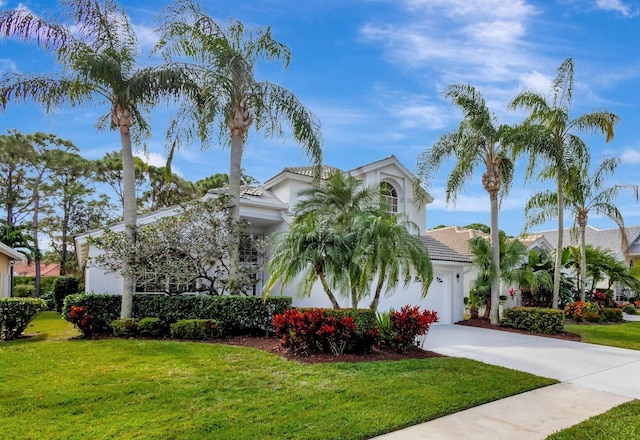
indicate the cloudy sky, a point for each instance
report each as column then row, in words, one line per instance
column 373, row 72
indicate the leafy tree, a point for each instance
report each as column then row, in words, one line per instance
column 109, row 170
column 548, row 136
column 166, row 190
column 220, row 180
column 18, row 238
column 511, row 253
column 14, row 193
column 478, row 141
column 97, row 49
column 535, row 280
column 479, row 227
column 231, row 99
column 184, row 252
column 585, row 192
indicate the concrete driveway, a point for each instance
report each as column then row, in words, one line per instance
column 594, row 379
column 610, row 369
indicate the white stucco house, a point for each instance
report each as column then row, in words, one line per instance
column 269, row 207
column 8, row 257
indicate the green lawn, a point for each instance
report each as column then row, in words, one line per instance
column 135, row 389
column 619, row 423
column 623, row 335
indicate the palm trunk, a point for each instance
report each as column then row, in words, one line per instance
column 234, row 193
column 129, row 216
column 376, row 296
column 495, row 258
column 583, row 263
column 327, row 290
column 558, row 266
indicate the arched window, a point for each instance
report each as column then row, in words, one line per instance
column 389, row 197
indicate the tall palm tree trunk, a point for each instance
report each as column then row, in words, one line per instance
column 558, row 264
column 327, row 290
column 583, row 262
column 130, row 207
column 234, row 192
column 495, row 257
column 376, row 296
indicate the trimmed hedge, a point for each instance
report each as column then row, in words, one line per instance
column 63, row 287
column 534, row 319
column 611, row 314
column 125, row 328
column 195, row 329
column 16, row 314
column 234, row 314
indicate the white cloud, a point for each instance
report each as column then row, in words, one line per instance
column 536, row 82
column 630, row 156
column 7, row 65
column 156, row 160
column 147, row 37
column 615, row 6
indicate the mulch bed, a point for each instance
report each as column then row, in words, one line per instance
column 485, row 323
column 272, row 345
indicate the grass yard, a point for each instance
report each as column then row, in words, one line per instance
column 619, row 423
column 141, row 389
column 623, row 335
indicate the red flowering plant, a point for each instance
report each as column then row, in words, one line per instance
column 581, row 311
column 314, row 331
column 408, row 324
column 81, row 320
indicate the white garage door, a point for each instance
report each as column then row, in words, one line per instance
column 439, row 298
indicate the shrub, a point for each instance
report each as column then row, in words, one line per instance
column 319, row 330
column 63, row 287
column 234, row 314
column 407, row 325
column 151, row 327
column 83, row 321
column 23, row 290
column 125, row 328
column 581, row 311
column 49, row 300
column 365, row 334
column 612, row 314
column 195, row 329
column 16, row 314
column 629, row 309
column 534, row 319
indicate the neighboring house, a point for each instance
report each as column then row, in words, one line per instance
column 608, row 239
column 8, row 257
column 26, row 269
column 269, row 208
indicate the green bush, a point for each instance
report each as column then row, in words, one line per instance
column 611, row 314
column 16, row 313
column 629, row 309
column 151, row 327
column 195, row 329
column 125, row 328
column 46, row 283
column 234, row 314
column 23, row 290
column 49, row 300
column 365, row 334
column 63, row 287
column 534, row 319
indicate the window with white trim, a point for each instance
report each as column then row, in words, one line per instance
column 389, row 197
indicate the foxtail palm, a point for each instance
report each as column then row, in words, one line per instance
column 390, row 249
column 547, row 135
column 479, row 141
column 231, row 99
column 585, row 192
column 98, row 51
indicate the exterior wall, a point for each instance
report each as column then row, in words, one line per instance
column 5, row 276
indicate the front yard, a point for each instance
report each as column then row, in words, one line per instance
column 135, row 389
column 622, row 335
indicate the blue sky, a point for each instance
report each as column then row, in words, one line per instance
column 373, row 72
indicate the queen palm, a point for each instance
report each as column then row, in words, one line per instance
column 547, row 135
column 479, row 141
column 98, row 53
column 586, row 192
column 231, row 99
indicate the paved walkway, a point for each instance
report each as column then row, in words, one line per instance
column 594, row 379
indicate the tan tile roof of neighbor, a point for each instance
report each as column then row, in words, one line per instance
column 608, row 239
column 22, row 268
column 456, row 237
column 439, row 251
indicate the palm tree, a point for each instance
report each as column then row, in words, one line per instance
column 479, row 141
column 585, row 192
column 231, row 99
column 313, row 247
column 511, row 253
column 547, row 134
column 98, row 52
column 389, row 248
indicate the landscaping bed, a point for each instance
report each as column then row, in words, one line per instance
column 485, row 323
